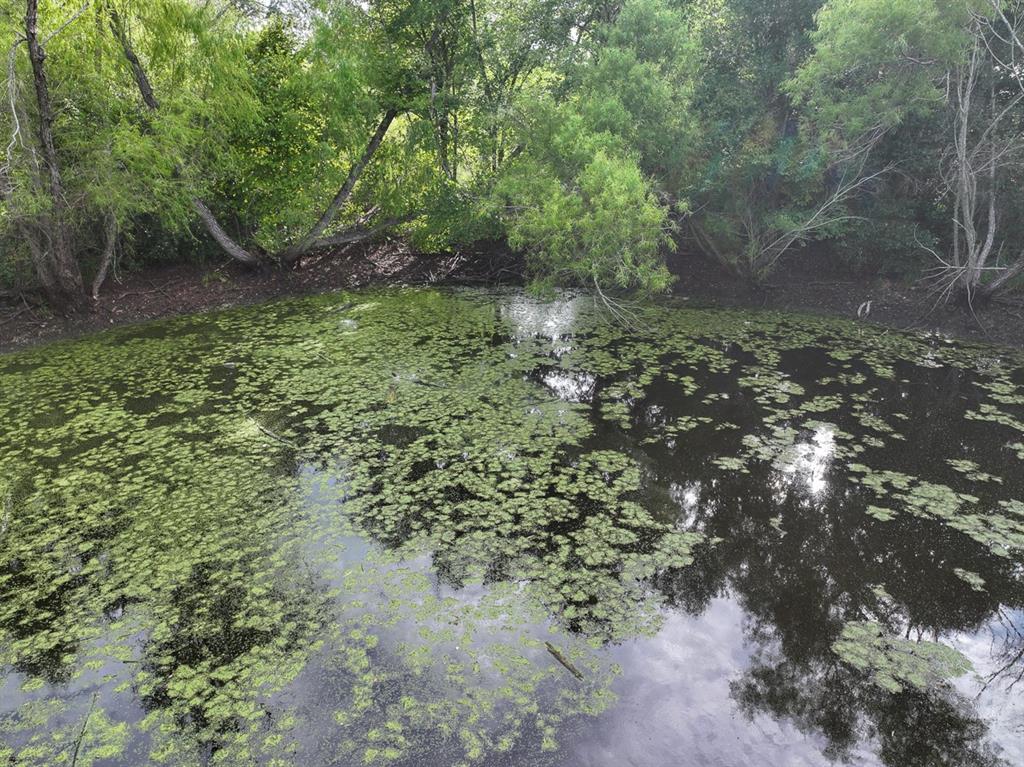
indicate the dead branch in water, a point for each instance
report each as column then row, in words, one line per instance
column 557, row 655
column 269, row 433
column 81, row 735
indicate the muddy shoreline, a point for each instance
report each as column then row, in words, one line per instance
column 801, row 287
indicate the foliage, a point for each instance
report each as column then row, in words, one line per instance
column 865, row 73
column 288, row 158
column 895, row 663
column 880, row 64
column 116, row 161
column 744, row 129
column 597, row 226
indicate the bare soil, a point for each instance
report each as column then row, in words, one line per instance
column 800, row 287
column 188, row 288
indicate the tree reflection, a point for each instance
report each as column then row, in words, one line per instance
column 1008, row 650
column 801, row 555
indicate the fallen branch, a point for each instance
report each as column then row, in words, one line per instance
column 81, row 735
column 620, row 312
column 275, row 437
column 14, row 316
column 357, row 234
column 557, row 655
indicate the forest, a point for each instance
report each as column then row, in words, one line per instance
column 594, row 138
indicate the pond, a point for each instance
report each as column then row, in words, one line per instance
column 426, row 527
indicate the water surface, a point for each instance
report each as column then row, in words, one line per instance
column 445, row 528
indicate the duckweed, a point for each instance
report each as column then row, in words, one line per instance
column 341, row 530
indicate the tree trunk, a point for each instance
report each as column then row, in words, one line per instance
column 109, row 249
column 57, row 267
column 309, row 242
column 1005, row 279
column 222, row 238
column 210, row 222
column 973, row 177
column 139, row 73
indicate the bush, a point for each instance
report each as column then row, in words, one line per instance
column 602, row 227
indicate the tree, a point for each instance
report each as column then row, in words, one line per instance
column 759, row 184
column 881, row 62
column 318, row 236
column 510, row 41
column 591, row 189
column 601, row 227
column 987, row 87
column 877, row 129
column 46, row 226
column 105, row 165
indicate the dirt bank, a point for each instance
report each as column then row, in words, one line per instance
column 188, row 288
column 801, row 287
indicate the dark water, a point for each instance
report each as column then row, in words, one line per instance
column 446, row 528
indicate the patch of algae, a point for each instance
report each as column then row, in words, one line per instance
column 372, row 502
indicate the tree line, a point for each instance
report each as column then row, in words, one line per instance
column 595, row 136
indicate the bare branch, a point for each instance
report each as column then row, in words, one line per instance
column 68, row 23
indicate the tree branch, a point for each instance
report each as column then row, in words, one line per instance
column 358, row 234
column 213, row 227
column 309, row 242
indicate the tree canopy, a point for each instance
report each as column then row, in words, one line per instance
column 595, row 137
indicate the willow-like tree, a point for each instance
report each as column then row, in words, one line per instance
column 82, row 165
column 955, row 62
column 34, row 190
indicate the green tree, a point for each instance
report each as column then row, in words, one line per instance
column 579, row 205
column 114, row 163
column 759, row 184
column 880, row 63
column 601, row 145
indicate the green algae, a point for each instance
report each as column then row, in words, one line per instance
column 168, row 505
column 894, row 663
column 973, row 580
column 972, row 471
column 1000, row 529
column 205, row 516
